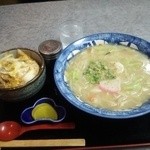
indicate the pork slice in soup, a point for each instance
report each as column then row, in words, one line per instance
column 115, row 77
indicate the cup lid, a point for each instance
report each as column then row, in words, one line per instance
column 50, row 49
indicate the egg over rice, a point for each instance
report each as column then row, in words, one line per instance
column 17, row 69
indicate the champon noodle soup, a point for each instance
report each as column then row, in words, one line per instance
column 114, row 77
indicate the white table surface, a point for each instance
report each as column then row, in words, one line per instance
column 27, row 25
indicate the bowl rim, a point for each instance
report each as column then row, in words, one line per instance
column 42, row 67
column 100, row 112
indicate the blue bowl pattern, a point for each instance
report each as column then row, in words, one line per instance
column 92, row 40
column 27, row 118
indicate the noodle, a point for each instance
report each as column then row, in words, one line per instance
column 115, row 77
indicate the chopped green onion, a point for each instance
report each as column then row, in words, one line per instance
column 97, row 71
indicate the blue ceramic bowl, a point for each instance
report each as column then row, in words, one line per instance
column 89, row 41
column 26, row 115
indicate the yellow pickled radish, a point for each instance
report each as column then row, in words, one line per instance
column 44, row 111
